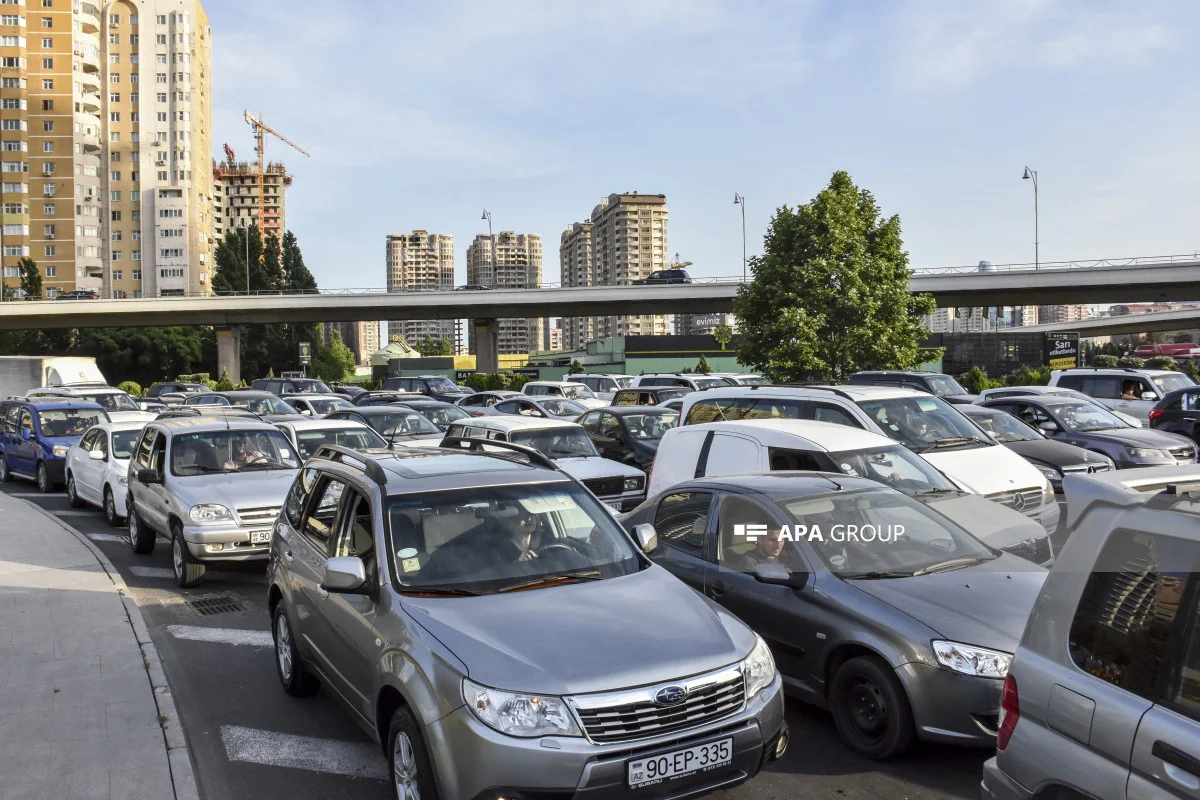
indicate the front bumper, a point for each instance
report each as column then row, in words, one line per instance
column 234, row 543
column 1049, row 516
column 626, row 501
column 56, row 469
column 474, row 762
column 951, row 707
column 1128, row 462
column 998, row 786
column 120, row 494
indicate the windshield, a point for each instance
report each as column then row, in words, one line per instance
column 896, row 466
column 709, row 383
column 70, row 422
column 401, row 422
column 623, row 383
column 557, row 442
column 324, row 406
column 1086, row 417
column 502, row 537
column 112, row 401
column 943, row 385
column 363, row 438
column 577, row 391
column 923, row 423
column 123, row 442
column 206, row 400
column 311, row 385
column 650, row 426
column 1005, row 427
column 926, row 539
column 230, row 451
column 267, row 405
column 1171, row 382
column 442, row 415
column 442, row 385
column 561, row 407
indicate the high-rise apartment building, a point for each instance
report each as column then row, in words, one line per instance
column 1063, row 313
column 575, row 262
column 420, row 262
column 629, row 241
column 235, row 197
column 104, row 144
column 515, row 264
column 361, row 337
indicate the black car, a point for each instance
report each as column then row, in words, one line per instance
column 282, row 386
column 476, row 400
column 396, row 424
column 264, row 404
column 80, row 294
column 664, row 276
column 472, row 287
column 629, row 433
column 176, row 387
column 383, row 398
column 437, row 412
column 647, row 395
column 1092, row 427
column 1052, row 459
column 1178, row 412
column 347, row 390
column 935, row 383
column 439, row 387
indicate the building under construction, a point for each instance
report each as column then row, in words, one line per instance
column 235, row 196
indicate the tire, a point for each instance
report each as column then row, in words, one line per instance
column 870, row 709
column 72, row 493
column 188, row 571
column 293, row 675
column 110, row 509
column 408, row 761
column 44, row 484
column 5, row 474
column 141, row 536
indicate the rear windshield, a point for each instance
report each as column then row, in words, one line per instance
column 443, row 415
column 70, row 422
column 561, row 407
column 441, row 385
column 112, row 401
column 363, row 438
column 311, row 385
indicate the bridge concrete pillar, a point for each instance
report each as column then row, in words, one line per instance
column 229, row 353
column 487, row 345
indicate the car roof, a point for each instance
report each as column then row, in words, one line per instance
column 204, row 422
column 516, row 423
column 1119, row 371
column 552, row 383
column 370, row 410
column 919, row 372
column 117, row 427
column 622, row 411
column 828, row 436
column 1043, row 399
column 855, row 393
column 435, row 469
column 56, row 402
column 654, row 389
column 784, row 483
column 310, row 424
column 245, row 393
column 981, row 411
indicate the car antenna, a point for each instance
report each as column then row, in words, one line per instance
column 836, row 485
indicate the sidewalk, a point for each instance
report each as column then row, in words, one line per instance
column 84, row 708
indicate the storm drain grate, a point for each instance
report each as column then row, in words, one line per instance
column 215, row 604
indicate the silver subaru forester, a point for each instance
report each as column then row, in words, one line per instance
column 487, row 622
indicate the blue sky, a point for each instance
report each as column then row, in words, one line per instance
column 420, row 114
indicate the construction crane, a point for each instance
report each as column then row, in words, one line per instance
column 261, row 129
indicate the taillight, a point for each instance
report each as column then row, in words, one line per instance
column 1010, row 712
column 1155, row 413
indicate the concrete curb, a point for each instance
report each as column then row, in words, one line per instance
column 183, row 777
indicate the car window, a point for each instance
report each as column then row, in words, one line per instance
column 1122, row 623
column 1189, row 401
column 229, row 451
column 26, row 423
column 1171, row 382
column 625, row 398
column 681, row 520
column 923, row 423
column 293, row 506
column 590, row 421
column 610, row 427
column 356, row 534
column 1005, row 427
column 650, row 427
column 308, row 441
column 69, row 421
column 1104, row 387
column 322, row 511
column 1184, row 692
column 1070, row 381
column 782, row 459
column 562, row 407
column 122, row 443
column 443, row 415
column 507, row 407
column 88, row 442
column 730, row 455
column 1030, row 415
column 748, row 535
column 145, row 445
column 893, row 465
column 10, row 415
column 158, row 453
column 569, row 442
column 1086, row 416
column 828, row 412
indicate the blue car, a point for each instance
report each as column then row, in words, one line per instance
column 36, row 434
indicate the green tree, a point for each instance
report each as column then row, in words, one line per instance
column 1104, row 360
column 335, row 361
column 224, row 383
column 273, row 275
column 131, row 388
column 477, row 381
column 434, row 347
column 1130, row 362
column 31, row 278
column 723, row 335
column 516, row 380
column 976, row 380
column 576, row 367
column 146, row 355
column 1160, row 362
column 702, row 366
column 830, row 295
column 296, row 276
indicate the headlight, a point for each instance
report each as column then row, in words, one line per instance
column 1144, row 452
column 972, row 660
column 633, row 484
column 123, row 480
column 1048, row 472
column 758, row 668
column 210, row 512
column 1047, row 493
column 60, row 450
column 518, row 714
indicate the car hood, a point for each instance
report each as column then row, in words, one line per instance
column 234, row 490
column 996, row 525
column 591, row 402
column 131, row 416
column 1136, row 437
column 985, row 605
column 596, row 467
column 275, row 419
column 579, row 638
column 1056, row 454
column 986, row 470
column 420, row 440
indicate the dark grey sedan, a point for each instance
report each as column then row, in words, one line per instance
column 1086, row 425
column 876, row 607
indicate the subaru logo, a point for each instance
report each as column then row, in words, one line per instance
column 1018, row 501
column 670, row 695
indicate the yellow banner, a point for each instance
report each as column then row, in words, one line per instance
column 1066, row 362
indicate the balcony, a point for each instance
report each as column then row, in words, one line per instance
column 89, row 82
column 90, row 103
column 88, row 16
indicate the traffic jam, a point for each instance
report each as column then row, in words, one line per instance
column 1011, row 571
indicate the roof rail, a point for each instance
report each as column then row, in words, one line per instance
column 370, row 467
column 476, row 445
column 817, row 386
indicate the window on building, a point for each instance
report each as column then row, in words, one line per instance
column 135, row 98
column 115, row 197
column 10, row 19
column 162, row 117
column 114, row 78
column 48, row 168
column 51, row 272
column 114, row 136
column 47, row 42
column 136, row 236
column 115, row 175
column 49, row 210
column 47, row 3
column 114, row 58
column 114, row 38
column 161, row 97
column 135, row 195
column 135, row 215
column 133, row 19
column 47, row 105
column 114, row 97
column 161, row 19
column 137, row 293
column 162, row 175
column 48, row 84
column 12, row 61
column 117, row 275
column 135, row 274
column 47, row 63
column 135, row 176
column 10, row 103
column 161, row 77
column 114, row 19
column 160, row 38
column 115, row 116
column 116, row 255
column 47, row 22
column 133, row 116
column 51, row 250
column 133, row 39
column 47, row 147
column 134, row 78
column 49, row 231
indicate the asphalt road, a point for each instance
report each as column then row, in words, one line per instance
column 249, row 740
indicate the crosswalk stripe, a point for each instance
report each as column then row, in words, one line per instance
column 152, row 572
column 108, row 537
column 198, row 633
column 358, row 760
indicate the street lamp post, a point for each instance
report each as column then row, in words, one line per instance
column 246, row 236
column 1031, row 175
column 739, row 200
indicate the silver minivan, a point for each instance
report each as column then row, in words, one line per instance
column 485, row 619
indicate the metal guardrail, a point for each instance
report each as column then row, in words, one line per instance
column 1095, row 263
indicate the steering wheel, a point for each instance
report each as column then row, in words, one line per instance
column 556, row 546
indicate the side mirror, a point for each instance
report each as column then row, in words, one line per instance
column 646, row 536
column 149, row 476
column 1149, row 396
column 26, row 434
column 96, row 455
column 777, row 575
column 344, row 575
column 1048, row 427
column 307, row 412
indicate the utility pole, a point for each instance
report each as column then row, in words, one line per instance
column 739, row 200
column 1031, row 175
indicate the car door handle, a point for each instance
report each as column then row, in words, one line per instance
column 288, row 555
column 1175, row 757
column 716, row 590
column 323, row 592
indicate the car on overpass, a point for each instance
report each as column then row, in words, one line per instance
column 664, row 276
column 79, row 294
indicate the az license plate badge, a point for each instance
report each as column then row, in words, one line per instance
column 680, row 763
column 260, row 537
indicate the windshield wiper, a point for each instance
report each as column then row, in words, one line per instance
column 928, row 492
column 550, row 580
column 438, row 591
column 952, row 563
column 205, row 468
column 877, row 574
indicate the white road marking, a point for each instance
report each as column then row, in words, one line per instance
column 358, row 760
column 153, row 572
column 108, row 537
column 198, row 633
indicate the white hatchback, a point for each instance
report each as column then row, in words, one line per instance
column 97, row 468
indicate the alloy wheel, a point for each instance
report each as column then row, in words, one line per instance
column 177, row 555
column 404, row 768
column 283, row 646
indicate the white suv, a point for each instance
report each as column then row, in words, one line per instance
column 692, row 380
column 1130, row 391
column 927, row 425
column 568, row 389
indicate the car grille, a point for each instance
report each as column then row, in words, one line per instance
column 1027, row 501
column 1036, row 550
column 258, row 516
column 636, row 715
column 1183, row 454
column 602, row 487
column 1080, row 469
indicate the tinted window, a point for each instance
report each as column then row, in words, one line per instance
column 1184, row 693
column 293, row 506
column 69, row 421
column 1127, row 608
column 1103, row 387
column 88, row 442
column 144, row 446
column 122, row 443
column 320, row 518
column 231, row 451
column 681, row 520
column 828, row 412
column 782, row 460
column 748, row 535
column 356, row 535
column 1070, row 381
column 307, row 442
column 10, row 418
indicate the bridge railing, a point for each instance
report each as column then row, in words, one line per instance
column 1093, row 263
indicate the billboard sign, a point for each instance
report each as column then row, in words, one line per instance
column 1062, row 349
